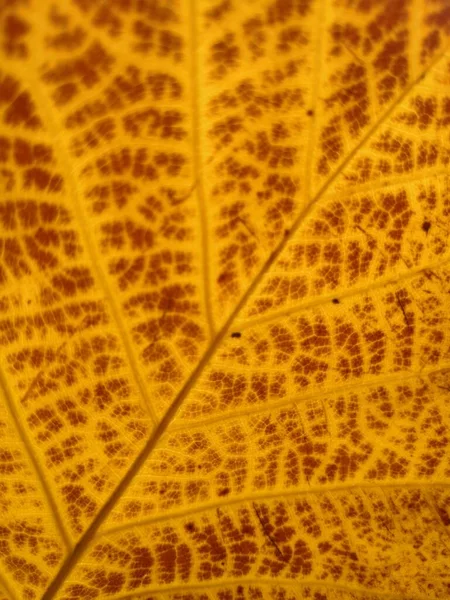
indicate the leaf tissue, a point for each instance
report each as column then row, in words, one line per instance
column 224, row 300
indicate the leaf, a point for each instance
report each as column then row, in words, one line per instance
column 224, row 297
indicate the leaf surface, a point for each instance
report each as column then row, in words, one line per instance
column 224, row 298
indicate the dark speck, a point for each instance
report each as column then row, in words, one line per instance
column 236, row 334
column 335, row 301
column 310, row 113
column 426, row 226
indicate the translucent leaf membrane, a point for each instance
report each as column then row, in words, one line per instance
column 375, row 537
column 224, row 294
column 31, row 544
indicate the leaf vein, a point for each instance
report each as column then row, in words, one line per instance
column 31, row 454
column 325, row 299
column 275, row 494
column 278, row 583
column 162, row 426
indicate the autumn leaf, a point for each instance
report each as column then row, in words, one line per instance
column 224, row 299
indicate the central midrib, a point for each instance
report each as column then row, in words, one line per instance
column 72, row 560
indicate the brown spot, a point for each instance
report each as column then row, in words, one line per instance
column 14, row 30
column 108, row 583
column 218, row 11
column 64, row 93
column 21, row 112
column 281, row 11
column 15, row 27
column 224, row 55
column 42, row 179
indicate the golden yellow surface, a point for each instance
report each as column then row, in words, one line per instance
column 224, row 300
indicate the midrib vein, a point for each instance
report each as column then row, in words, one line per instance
column 31, row 455
column 161, row 427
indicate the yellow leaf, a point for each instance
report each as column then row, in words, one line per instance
column 224, row 299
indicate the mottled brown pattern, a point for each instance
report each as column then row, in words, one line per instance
column 321, row 442
column 257, row 134
column 224, row 282
column 373, row 54
column 371, row 539
column 31, row 548
column 131, row 143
